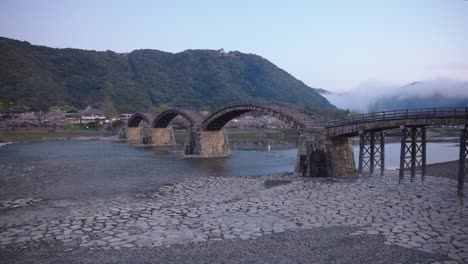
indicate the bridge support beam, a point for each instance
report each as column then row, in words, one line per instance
column 321, row 156
column 462, row 166
column 207, row 144
column 371, row 151
column 162, row 136
column 413, row 151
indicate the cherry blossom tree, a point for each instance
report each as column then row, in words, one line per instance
column 23, row 120
column 54, row 119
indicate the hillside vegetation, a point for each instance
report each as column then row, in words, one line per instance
column 40, row 77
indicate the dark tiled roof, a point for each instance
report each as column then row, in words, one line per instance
column 91, row 111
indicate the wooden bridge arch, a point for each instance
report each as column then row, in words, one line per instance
column 163, row 119
column 137, row 118
column 139, row 128
column 325, row 149
column 291, row 116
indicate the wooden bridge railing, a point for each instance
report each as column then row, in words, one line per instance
column 456, row 112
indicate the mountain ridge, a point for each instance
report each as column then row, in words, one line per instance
column 41, row 77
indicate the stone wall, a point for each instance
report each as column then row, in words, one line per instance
column 312, row 158
column 140, row 135
column 133, row 134
column 162, row 136
column 341, row 154
column 207, row 144
column 321, row 156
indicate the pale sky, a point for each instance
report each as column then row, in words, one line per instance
column 330, row 44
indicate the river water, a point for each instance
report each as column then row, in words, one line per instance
column 80, row 169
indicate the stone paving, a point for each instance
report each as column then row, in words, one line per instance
column 425, row 216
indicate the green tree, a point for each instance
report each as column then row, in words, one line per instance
column 161, row 108
column 64, row 108
column 41, row 77
column 1, row 105
column 108, row 108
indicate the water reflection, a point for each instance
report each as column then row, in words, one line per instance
column 78, row 169
column 264, row 145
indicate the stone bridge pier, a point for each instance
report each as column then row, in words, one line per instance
column 206, row 144
column 319, row 155
column 139, row 129
column 162, row 136
column 133, row 135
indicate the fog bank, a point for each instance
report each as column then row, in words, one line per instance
column 371, row 97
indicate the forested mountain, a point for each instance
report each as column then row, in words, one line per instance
column 40, row 77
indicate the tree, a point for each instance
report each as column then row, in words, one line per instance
column 54, row 119
column 24, row 120
column 108, row 108
column 161, row 108
column 1, row 106
column 64, row 108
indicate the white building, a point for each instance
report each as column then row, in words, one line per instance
column 91, row 115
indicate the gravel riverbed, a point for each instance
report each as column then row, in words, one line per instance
column 269, row 219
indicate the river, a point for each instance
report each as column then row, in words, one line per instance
column 80, row 169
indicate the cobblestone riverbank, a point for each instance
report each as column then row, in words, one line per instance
column 425, row 216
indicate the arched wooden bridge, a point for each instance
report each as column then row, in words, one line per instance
column 325, row 148
column 163, row 119
column 291, row 116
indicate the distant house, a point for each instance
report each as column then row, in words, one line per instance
column 72, row 117
column 91, row 115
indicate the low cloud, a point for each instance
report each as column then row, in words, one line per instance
column 366, row 96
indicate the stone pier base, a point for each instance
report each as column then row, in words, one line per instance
column 140, row 135
column 207, row 144
column 341, row 156
column 133, row 135
column 312, row 159
column 321, row 156
column 162, row 136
